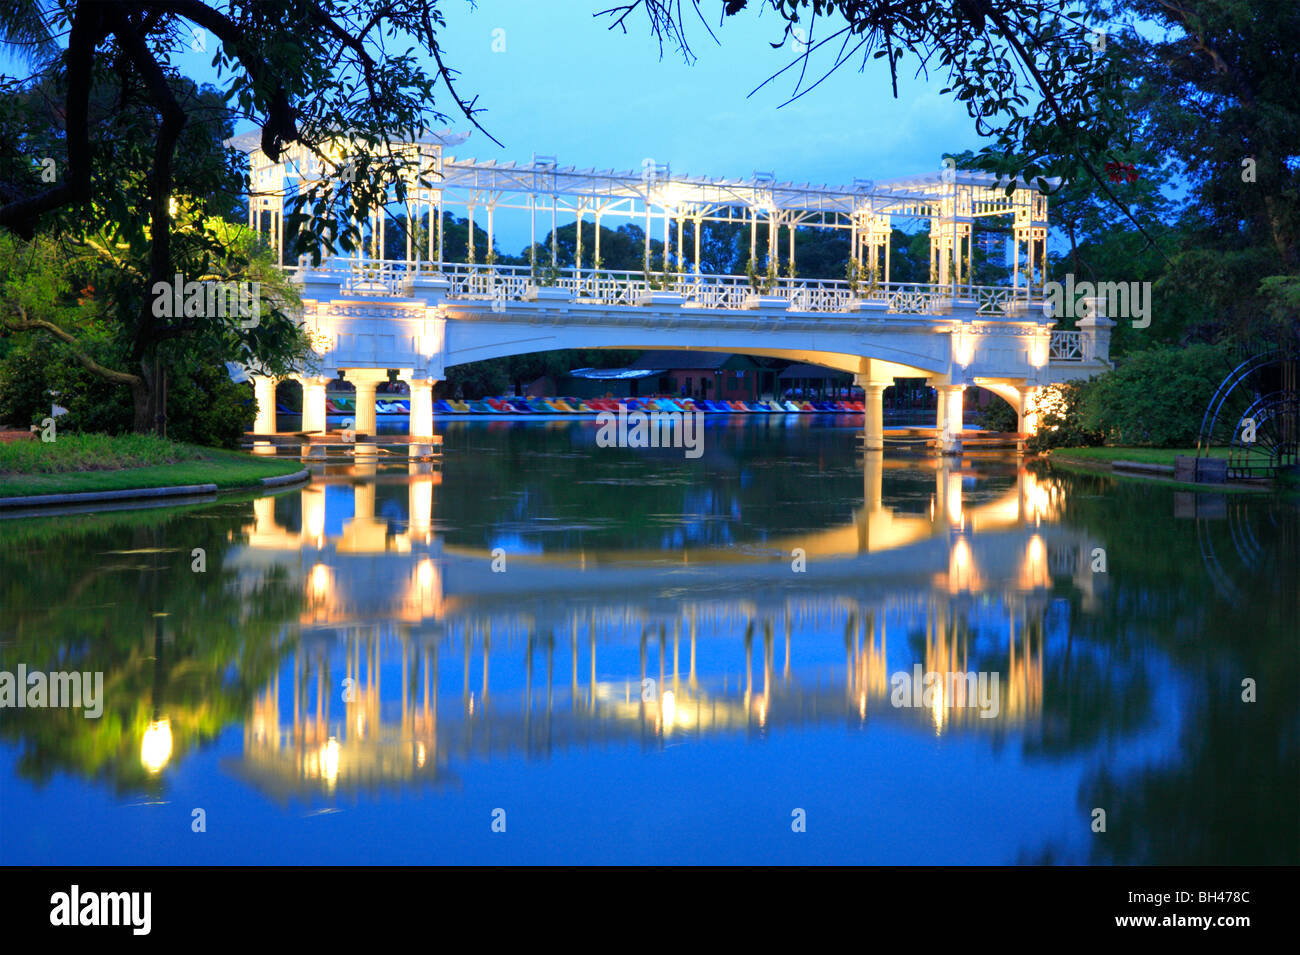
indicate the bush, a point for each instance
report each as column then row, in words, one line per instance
column 203, row 405
column 1060, row 423
column 39, row 372
column 24, row 386
column 1155, row 397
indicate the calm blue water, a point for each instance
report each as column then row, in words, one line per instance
column 632, row 656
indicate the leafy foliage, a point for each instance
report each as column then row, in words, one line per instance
column 1060, row 423
column 1154, row 397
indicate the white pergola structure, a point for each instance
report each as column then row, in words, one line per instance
column 672, row 209
column 951, row 202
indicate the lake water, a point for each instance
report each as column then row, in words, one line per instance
column 631, row 656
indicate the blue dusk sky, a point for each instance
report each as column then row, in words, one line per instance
column 568, row 87
column 555, row 80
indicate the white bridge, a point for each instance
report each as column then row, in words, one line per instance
column 420, row 314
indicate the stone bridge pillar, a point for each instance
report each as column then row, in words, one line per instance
column 873, row 385
column 365, row 380
column 264, row 390
column 421, row 402
column 1026, row 418
column 313, row 403
column 949, row 420
column 874, row 423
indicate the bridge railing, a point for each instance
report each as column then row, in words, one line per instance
column 506, row 283
column 387, row 277
column 1070, row 346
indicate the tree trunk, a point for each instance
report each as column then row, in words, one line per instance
column 142, row 396
column 149, row 399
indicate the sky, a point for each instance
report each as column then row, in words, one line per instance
column 555, row 80
column 565, row 85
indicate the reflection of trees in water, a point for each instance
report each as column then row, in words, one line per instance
column 784, row 479
column 116, row 594
column 1228, row 796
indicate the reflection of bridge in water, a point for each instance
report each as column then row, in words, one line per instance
column 323, row 738
column 962, row 587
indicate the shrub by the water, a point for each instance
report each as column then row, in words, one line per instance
column 1155, row 397
column 1061, row 422
column 203, row 405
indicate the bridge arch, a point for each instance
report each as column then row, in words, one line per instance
column 1017, row 396
column 880, row 361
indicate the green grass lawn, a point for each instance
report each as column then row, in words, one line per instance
column 1086, row 459
column 77, row 463
column 1143, row 455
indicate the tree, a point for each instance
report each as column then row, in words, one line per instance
column 1218, row 94
column 1195, row 93
column 60, row 300
column 304, row 70
column 1145, row 400
column 1031, row 73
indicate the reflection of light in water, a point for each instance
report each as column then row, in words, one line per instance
column 939, row 709
column 668, row 708
column 419, row 755
column 762, row 711
column 1034, row 571
column 421, row 506
column 329, row 760
column 424, row 574
column 1038, row 499
column 961, row 567
column 320, row 582
column 156, row 747
column 313, row 515
column 955, row 515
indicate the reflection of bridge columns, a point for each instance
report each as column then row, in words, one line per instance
column 366, row 381
column 949, row 419
column 363, row 533
column 947, row 496
column 873, row 472
column 313, row 403
column 264, row 391
column 420, row 498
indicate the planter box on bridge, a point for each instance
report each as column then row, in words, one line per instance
column 546, row 293
column 867, row 309
column 768, row 303
column 660, row 298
